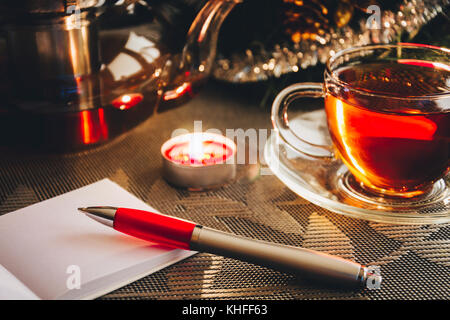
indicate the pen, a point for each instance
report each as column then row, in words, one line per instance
column 179, row 233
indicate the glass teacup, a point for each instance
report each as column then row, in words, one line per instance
column 388, row 116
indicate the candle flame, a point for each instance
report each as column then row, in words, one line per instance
column 196, row 147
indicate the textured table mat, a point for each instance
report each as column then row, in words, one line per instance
column 414, row 260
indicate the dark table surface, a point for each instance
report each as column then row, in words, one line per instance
column 414, row 260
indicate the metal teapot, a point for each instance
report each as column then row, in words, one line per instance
column 71, row 76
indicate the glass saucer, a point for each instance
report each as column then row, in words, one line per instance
column 329, row 184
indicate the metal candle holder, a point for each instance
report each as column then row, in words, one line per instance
column 199, row 161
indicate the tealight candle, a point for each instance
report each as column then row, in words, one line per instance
column 199, row 160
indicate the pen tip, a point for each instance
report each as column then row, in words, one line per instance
column 103, row 215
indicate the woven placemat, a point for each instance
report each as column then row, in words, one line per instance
column 414, row 260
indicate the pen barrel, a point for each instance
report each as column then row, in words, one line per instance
column 289, row 259
column 154, row 227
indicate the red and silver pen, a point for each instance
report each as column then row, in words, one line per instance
column 178, row 233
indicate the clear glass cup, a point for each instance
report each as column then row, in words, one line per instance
column 388, row 115
column 373, row 140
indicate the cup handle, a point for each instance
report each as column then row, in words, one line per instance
column 280, row 120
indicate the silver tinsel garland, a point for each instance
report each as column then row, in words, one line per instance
column 262, row 64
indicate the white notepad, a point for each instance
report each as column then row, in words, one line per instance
column 48, row 248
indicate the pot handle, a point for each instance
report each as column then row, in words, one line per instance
column 201, row 43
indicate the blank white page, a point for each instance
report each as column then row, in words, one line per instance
column 39, row 244
column 12, row 289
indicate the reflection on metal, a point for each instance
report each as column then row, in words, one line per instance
column 93, row 126
column 123, row 67
column 72, row 79
column 143, row 46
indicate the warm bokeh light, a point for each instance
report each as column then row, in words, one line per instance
column 178, row 92
column 127, row 101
